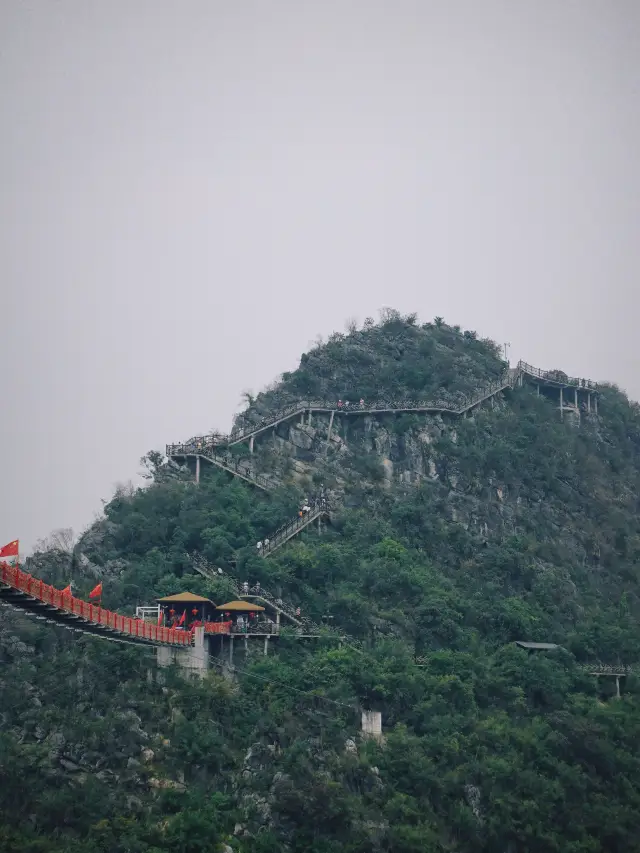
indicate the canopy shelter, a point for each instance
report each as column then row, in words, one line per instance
column 186, row 609
column 240, row 607
column 241, row 613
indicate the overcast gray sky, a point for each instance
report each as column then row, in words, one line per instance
column 193, row 190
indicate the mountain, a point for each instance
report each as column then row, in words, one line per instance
column 454, row 530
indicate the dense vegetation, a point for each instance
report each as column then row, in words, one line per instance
column 527, row 530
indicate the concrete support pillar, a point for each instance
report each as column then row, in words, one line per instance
column 589, row 402
column 330, row 426
column 561, row 405
column 537, row 390
column 617, row 686
column 251, row 444
column 372, row 724
column 266, row 645
column 319, row 524
column 195, row 658
column 230, row 651
column 278, row 620
column 309, row 418
column 197, row 469
column 164, row 655
column 575, row 397
column 595, row 404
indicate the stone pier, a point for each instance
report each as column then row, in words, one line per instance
column 193, row 659
column 372, row 724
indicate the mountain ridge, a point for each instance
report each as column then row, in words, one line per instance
column 451, row 542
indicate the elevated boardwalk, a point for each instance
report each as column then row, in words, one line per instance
column 24, row 592
column 214, row 447
column 317, row 512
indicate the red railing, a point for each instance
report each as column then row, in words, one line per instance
column 217, row 627
column 17, row 579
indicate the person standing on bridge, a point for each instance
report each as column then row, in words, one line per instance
column 266, row 544
column 245, row 587
column 259, row 546
column 362, row 402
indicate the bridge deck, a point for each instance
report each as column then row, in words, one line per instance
column 24, row 592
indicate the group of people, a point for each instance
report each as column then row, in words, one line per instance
column 346, row 404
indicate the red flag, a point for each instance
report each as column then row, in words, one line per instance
column 161, row 617
column 181, row 619
column 96, row 592
column 10, row 550
column 67, row 590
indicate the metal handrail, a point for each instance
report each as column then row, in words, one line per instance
column 317, row 508
column 207, row 444
column 551, row 376
column 204, row 443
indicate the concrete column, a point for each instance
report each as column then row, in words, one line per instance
column 251, row 444
column 372, row 724
column 538, row 390
column 595, row 404
column 278, row 619
column 309, row 418
column 246, row 644
column 561, row 405
column 575, row 397
column 230, row 651
column 330, row 426
column 589, row 402
column 196, row 657
column 266, row 644
column 197, row 469
column 164, row 655
column 617, row 686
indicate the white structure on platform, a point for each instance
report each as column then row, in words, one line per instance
column 148, row 613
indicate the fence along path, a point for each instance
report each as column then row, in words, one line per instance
column 318, row 510
column 209, row 445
